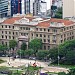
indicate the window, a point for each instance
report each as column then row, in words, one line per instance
column 13, row 37
column 26, row 28
column 48, row 47
column 2, row 36
column 36, row 35
column 2, row 32
column 40, row 35
column 5, row 32
column 32, row 34
column 9, row 37
column 13, row 33
column 9, row 32
column 5, row 26
column 5, row 37
column 44, row 40
column 44, row 35
column 9, row 26
column 16, row 33
column 45, row 47
column 21, row 28
column 44, row 29
column 2, row 26
column 40, row 29
column 48, row 30
column 48, row 36
column 13, row 27
column 48, row 40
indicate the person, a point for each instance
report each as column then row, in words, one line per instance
column 34, row 65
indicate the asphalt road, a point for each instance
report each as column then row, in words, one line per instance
column 25, row 62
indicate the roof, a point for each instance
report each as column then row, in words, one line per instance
column 44, row 23
column 47, row 23
column 66, row 22
column 11, row 20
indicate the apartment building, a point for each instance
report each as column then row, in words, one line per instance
column 25, row 28
column 3, row 8
column 68, row 8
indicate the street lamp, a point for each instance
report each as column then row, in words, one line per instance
column 58, row 56
column 20, row 57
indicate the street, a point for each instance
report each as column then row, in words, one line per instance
column 21, row 62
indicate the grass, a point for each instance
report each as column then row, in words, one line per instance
column 64, row 66
column 2, row 61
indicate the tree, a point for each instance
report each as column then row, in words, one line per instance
column 12, row 44
column 53, row 53
column 3, row 49
column 59, row 13
column 35, row 44
column 42, row 54
column 29, row 52
column 70, row 57
column 66, row 46
column 23, row 46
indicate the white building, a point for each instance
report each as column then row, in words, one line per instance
column 43, row 7
column 68, row 8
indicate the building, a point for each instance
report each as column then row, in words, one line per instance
column 3, row 8
column 68, row 8
column 28, row 6
column 55, row 5
column 43, row 8
column 25, row 28
column 39, row 7
column 15, row 7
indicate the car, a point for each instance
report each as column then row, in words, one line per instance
column 32, row 58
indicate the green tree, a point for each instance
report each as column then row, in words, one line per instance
column 23, row 46
column 42, row 54
column 3, row 49
column 54, row 53
column 71, row 71
column 35, row 44
column 61, row 73
column 66, row 46
column 12, row 44
column 59, row 13
column 70, row 57
column 29, row 52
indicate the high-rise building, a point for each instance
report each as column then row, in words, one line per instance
column 28, row 6
column 3, row 8
column 39, row 6
column 68, row 8
column 15, row 7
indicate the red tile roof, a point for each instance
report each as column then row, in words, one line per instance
column 47, row 23
column 11, row 20
column 42, row 24
column 66, row 22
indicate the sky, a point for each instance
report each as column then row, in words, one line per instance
column 48, row 4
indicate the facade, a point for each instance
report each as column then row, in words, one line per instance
column 39, row 7
column 15, row 7
column 68, row 8
column 3, row 8
column 28, row 6
column 52, row 31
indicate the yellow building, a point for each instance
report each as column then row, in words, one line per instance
column 52, row 31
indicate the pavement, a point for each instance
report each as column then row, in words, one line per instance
column 24, row 62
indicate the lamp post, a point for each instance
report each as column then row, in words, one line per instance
column 9, row 57
column 20, row 57
column 58, row 56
